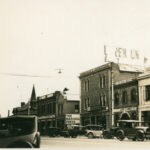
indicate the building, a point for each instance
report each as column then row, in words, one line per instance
column 53, row 108
column 29, row 108
column 97, row 91
column 144, row 97
column 126, row 100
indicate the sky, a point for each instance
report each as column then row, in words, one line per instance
column 37, row 37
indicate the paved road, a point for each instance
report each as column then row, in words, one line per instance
column 83, row 142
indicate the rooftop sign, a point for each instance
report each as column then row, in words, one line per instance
column 123, row 55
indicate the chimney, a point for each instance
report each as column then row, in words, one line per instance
column 22, row 104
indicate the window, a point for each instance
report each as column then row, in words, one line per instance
column 100, row 82
column 124, row 97
column 88, row 102
column 85, row 104
column 50, row 108
column 54, row 107
column 85, row 86
column 104, row 100
column 133, row 95
column 88, row 85
column 61, row 108
column 116, row 99
column 147, row 93
column 104, row 81
column 76, row 106
column 100, row 100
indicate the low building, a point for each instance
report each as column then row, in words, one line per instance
column 126, row 100
column 53, row 108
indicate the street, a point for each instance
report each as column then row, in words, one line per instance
column 84, row 142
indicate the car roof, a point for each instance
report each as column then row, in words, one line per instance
column 94, row 125
column 130, row 121
column 18, row 116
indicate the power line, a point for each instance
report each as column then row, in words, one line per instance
column 33, row 76
column 26, row 75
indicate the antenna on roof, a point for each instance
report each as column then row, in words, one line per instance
column 59, row 70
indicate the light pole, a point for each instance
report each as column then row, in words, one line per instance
column 112, row 96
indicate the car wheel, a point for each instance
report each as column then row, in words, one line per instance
column 20, row 145
column 140, row 136
column 120, row 135
column 134, row 139
column 106, row 136
column 90, row 136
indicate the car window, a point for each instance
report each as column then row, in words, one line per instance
column 16, row 127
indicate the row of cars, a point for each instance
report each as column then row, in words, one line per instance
column 131, row 129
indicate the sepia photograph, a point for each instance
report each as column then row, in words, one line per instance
column 75, row 74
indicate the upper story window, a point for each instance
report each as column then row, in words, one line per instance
column 85, row 104
column 102, row 81
column 76, row 108
column 100, row 100
column 86, row 85
column 133, row 95
column 54, row 107
column 88, row 102
column 147, row 92
column 116, row 99
column 124, row 97
column 104, row 100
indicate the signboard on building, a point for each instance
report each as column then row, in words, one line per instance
column 72, row 119
column 123, row 55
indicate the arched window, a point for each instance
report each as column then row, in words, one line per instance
column 124, row 97
column 133, row 96
column 116, row 99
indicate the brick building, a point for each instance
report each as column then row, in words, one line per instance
column 144, row 96
column 126, row 100
column 52, row 109
column 96, row 91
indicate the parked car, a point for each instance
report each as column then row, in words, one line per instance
column 110, row 133
column 74, row 130
column 54, row 131
column 19, row 132
column 93, row 131
column 132, row 129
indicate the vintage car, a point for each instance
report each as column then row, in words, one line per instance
column 132, row 129
column 74, row 130
column 110, row 133
column 53, row 131
column 19, row 132
column 93, row 131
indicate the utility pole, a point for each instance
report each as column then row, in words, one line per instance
column 112, row 91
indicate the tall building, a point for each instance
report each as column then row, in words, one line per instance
column 97, row 91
